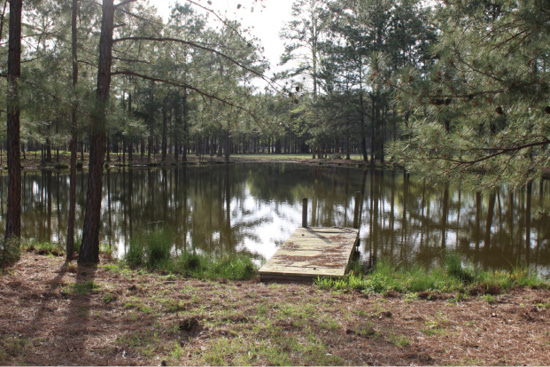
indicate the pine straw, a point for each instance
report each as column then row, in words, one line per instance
column 144, row 319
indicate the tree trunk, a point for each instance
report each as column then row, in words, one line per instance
column 89, row 252
column 227, row 145
column 130, row 142
column 74, row 140
column 363, row 142
column 13, row 215
column 176, row 132
column 164, row 131
column 48, row 150
column 185, row 127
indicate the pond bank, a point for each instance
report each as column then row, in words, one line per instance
column 34, row 163
column 125, row 317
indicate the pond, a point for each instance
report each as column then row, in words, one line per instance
column 254, row 207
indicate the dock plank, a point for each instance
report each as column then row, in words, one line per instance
column 312, row 252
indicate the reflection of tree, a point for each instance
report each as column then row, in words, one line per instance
column 217, row 209
column 486, row 228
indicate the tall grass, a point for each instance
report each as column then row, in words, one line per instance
column 43, row 247
column 451, row 275
column 153, row 250
column 234, row 266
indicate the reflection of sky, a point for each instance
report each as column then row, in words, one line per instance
column 276, row 227
column 266, row 207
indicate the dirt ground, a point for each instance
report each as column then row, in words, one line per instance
column 53, row 313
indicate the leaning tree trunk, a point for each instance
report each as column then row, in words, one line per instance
column 89, row 251
column 74, row 140
column 13, row 217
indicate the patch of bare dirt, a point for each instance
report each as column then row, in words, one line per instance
column 51, row 314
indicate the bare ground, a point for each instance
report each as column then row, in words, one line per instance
column 130, row 317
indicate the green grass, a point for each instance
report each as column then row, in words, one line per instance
column 153, row 250
column 13, row 346
column 43, row 247
column 85, row 287
column 200, row 266
column 398, row 340
column 452, row 275
column 273, row 348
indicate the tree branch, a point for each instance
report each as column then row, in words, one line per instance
column 122, row 3
column 195, row 45
column 224, row 21
column 132, row 60
column 500, row 152
column 175, row 84
column 187, row 86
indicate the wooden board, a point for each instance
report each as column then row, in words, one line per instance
column 312, row 252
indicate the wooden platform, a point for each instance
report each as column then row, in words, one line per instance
column 312, row 252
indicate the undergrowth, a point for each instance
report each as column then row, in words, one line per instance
column 452, row 275
column 43, row 247
column 154, row 250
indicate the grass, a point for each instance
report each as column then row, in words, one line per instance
column 85, row 287
column 398, row 340
column 248, row 324
column 43, row 247
column 12, row 346
column 153, row 250
column 274, row 348
column 453, row 275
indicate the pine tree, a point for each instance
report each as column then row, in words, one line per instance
column 483, row 106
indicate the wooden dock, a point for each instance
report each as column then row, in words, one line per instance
column 312, row 252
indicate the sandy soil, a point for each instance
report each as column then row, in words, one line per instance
column 53, row 313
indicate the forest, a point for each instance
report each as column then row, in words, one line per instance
column 440, row 88
column 123, row 124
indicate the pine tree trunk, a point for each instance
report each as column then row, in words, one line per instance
column 164, row 132
column 13, row 217
column 150, row 146
column 185, row 127
column 74, row 141
column 227, row 145
column 373, row 132
column 48, row 150
column 89, row 252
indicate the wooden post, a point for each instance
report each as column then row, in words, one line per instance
column 356, row 210
column 304, row 213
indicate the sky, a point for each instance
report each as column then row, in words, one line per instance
column 265, row 18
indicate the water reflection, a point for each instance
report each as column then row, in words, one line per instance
column 253, row 208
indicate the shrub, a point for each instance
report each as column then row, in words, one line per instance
column 43, row 248
column 233, row 267
column 157, row 247
column 453, row 265
column 149, row 248
column 135, row 255
column 60, row 165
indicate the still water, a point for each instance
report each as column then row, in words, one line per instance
column 253, row 208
